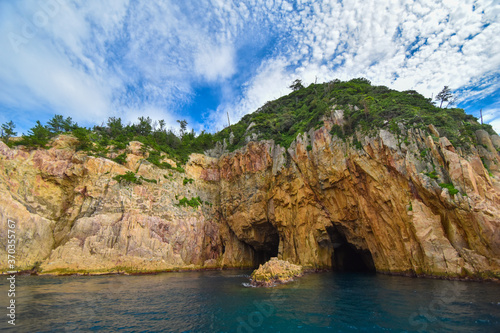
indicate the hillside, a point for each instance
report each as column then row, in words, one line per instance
column 366, row 109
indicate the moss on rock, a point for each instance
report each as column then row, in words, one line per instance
column 274, row 272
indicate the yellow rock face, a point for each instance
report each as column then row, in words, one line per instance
column 333, row 206
column 72, row 217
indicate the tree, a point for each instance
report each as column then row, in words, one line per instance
column 115, row 126
column 452, row 101
column 144, row 126
column 37, row 136
column 59, row 124
column 296, row 85
column 82, row 134
column 8, row 131
column 55, row 125
column 161, row 123
column 69, row 125
column 183, row 124
column 444, row 95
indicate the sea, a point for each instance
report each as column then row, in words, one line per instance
column 223, row 301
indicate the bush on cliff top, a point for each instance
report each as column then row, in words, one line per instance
column 366, row 108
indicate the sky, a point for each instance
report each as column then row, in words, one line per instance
column 200, row 60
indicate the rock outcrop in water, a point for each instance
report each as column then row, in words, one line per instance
column 275, row 272
column 322, row 203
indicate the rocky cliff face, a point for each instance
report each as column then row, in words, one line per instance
column 376, row 207
column 321, row 203
column 72, row 216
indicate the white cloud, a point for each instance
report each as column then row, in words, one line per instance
column 215, row 62
column 270, row 82
column 492, row 116
column 90, row 60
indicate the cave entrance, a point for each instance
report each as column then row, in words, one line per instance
column 267, row 247
column 347, row 258
column 263, row 255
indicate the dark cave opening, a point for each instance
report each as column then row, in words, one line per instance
column 347, row 258
column 263, row 256
column 269, row 248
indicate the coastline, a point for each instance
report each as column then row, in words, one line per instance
column 202, row 269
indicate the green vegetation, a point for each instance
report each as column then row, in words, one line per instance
column 193, row 202
column 431, row 174
column 120, row 159
column 486, row 167
column 130, row 177
column 451, row 189
column 115, row 136
column 366, row 109
column 155, row 156
column 7, row 131
column 357, row 144
column 445, row 95
column 309, row 148
column 187, row 181
column 154, row 181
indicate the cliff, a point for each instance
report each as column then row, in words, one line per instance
column 367, row 185
column 324, row 203
column 73, row 217
column 321, row 203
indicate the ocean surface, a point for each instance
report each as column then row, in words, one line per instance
column 219, row 301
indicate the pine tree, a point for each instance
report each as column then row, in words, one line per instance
column 296, row 85
column 7, row 131
column 444, row 95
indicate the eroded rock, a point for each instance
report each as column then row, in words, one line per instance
column 275, row 272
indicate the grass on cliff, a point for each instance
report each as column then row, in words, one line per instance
column 193, row 202
column 130, row 177
column 451, row 189
column 366, row 108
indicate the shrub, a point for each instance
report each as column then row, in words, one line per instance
column 154, row 181
column 193, row 202
column 128, row 177
column 120, row 159
column 337, row 130
column 451, row 189
column 431, row 174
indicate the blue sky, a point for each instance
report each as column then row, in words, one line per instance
column 198, row 60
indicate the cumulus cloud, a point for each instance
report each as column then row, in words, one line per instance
column 91, row 60
column 215, row 62
column 405, row 45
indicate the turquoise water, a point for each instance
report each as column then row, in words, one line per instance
column 218, row 301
